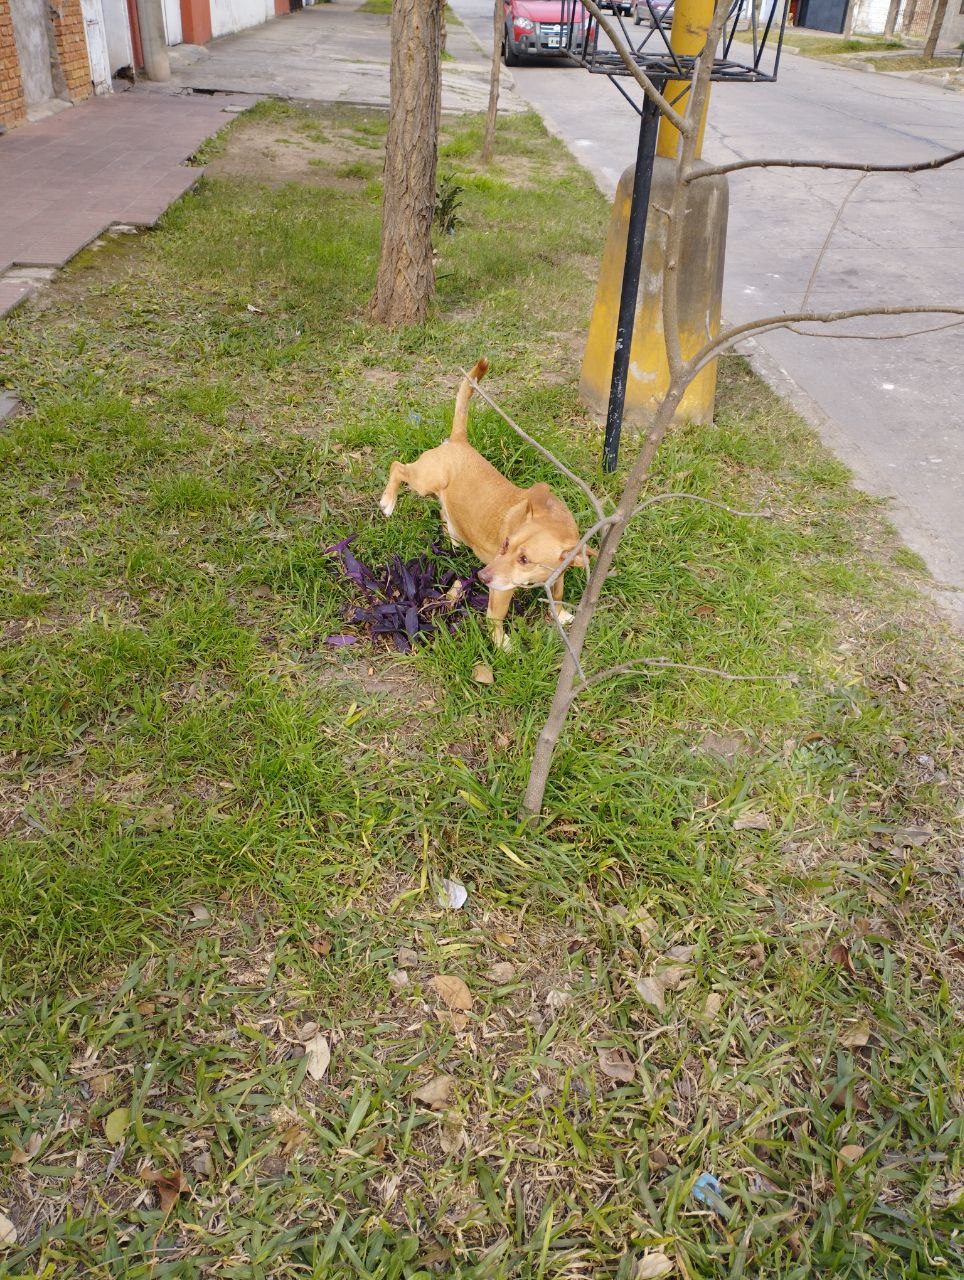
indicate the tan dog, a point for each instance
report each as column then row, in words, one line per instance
column 521, row 535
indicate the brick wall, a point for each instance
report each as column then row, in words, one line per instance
column 68, row 22
column 12, row 106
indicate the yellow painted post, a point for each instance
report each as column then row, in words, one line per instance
column 700, row 275
column 691, row 22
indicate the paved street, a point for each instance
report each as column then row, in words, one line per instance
column 894, row 411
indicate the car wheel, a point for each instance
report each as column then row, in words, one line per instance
column 510, row 57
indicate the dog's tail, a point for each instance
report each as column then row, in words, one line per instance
column 460, row 423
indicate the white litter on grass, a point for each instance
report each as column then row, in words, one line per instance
column 454, row 895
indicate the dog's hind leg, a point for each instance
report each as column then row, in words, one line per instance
column 396, row 474
column 425, row 475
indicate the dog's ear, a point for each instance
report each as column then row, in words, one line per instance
column 582, row 559
column 537, row 499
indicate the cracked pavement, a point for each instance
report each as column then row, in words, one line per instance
column 892, row 410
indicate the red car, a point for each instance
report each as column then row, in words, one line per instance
column 533, row 28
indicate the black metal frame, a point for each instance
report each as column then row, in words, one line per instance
column 580, row 39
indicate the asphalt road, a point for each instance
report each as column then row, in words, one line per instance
column 894, row 410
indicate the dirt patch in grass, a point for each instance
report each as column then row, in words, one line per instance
column 273, row 153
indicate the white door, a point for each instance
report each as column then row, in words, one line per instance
column 33, row 50
column 96, row 44
column 172, row 21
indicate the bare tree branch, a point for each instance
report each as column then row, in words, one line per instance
column 709, row 502
column 639, row 75
column 539, row 448
column 629, row 668
column 768, row 323
column 827, row 238
column 712, row 170
column 877, row 337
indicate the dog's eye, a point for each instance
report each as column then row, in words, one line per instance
column 523, row 558
column 504, row 548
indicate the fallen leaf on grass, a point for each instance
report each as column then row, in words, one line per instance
column 199, row 912
column 725, row 745
column 453, row 991
column 714, row 1002
column 501, row 972
column 682, row 955
column 652, row 1266
column 617, row 1064
column 652, row 991
column 454, row 895
column 8, row 1232
column 840, row 956
column 482, row 673
column 318, row 1054
column 398, row 979
column 291, row 1139
column 856, row 1037
column 168, row 1185
column 556, row 1000
column 849, row 1154
column 752, row 821
column 435, row 1093
column 23, row 1155
column 503, row 939
column 452, row 1137
column 757, row 955
column 115, row 1126
column 912, row 837
column 407, row 958
column 670, row 977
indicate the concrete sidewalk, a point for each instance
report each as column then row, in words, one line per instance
column 333, row 53
column 116, row 159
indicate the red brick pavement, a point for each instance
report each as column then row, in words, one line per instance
column 116, row 159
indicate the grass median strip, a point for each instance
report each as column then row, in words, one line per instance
column 732, row 948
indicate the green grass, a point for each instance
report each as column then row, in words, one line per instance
column 218, row 830
column 820, row 45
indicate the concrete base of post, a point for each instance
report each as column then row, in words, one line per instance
column 150, row 20
column 701, row 291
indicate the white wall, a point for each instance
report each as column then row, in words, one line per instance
column 117, row 29
column 171, row 10
column 870, row 16
column 233, row 15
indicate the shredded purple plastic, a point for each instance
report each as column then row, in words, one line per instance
column 407, row 600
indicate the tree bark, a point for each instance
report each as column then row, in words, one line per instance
column 893, row 13
column 406, row 275
column 934, row 30
column 498, row 26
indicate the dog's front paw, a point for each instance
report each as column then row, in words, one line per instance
column 387, row 504
column 565, row 617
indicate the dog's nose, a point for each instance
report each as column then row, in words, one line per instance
column 485, row 575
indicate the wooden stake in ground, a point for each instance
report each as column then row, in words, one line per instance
column 498, row 26
column 406, row 276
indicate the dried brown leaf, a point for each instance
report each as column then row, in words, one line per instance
column 407, row 958
column 452, row 991
column 652, row 991
column 652, row 1266
column 556, row 1000
column 452, row 1137
column 482, row 673
column 318, row 1053
column 169, row 1185
column 671, row 976
column 8, row 1232
column 501, row 972
column 23, row 1155
column 617, row 1064
column 714, row 1002
column 840, row 956
column 435, row 1093
column 200, row 912
column 398, row 979
column 857, row 1036
column 849, row 1154
column 752, row 821
column 503, row 939
column 681, row 954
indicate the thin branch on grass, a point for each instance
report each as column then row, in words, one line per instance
column 878, row 337
column 709, row 502
column 920, row 166
column 632, row 668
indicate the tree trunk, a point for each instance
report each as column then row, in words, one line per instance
column 893, row 13
column 934, row 30
column 406, row 276
column 498, row 27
